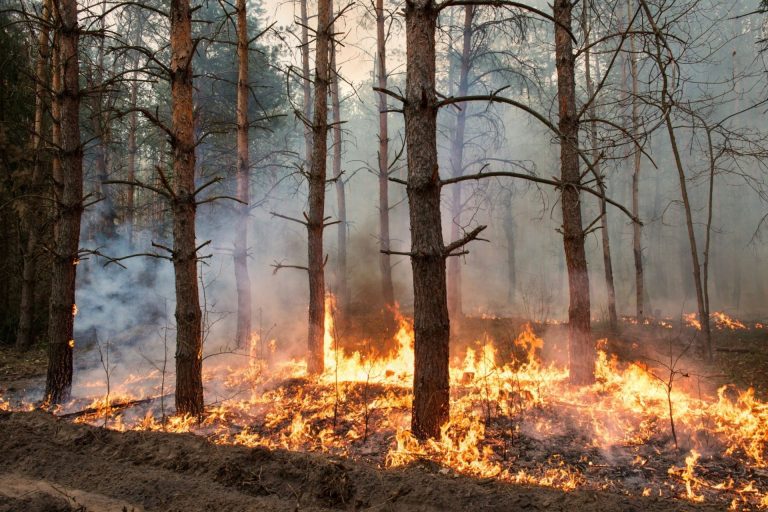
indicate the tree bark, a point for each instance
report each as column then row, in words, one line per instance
column 240, row 253
column 385, row 266
column 316, row 178
column 457, row 164
column 189, row 342
column 636, row 227
column 581, row 349
column 30, row 221
column 68, row 191
column 613, row 320
column 342, row 284
column 431, row 321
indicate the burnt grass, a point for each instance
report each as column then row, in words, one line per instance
column 52, row 464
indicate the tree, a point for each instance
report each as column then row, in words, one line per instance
column 30, row 218
column 637, row 249
column 457, row 160
column 189, row 341
column 385, row 266
column 341, row 200
column 68, row 193
column 240, row 253
column 581, row 348
column 592, row 111
column 317, row 180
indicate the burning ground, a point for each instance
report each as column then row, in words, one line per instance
column 657, row 432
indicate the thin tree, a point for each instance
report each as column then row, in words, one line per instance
column 613, row 320
column 457, row 160
column 306, row 82
column 636, row 226
column 31, row 215
column 342, row 285
column 663, row 57
column 240, row 253
column 385, row 266
column 68, row 194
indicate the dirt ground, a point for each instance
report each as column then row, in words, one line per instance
column 49, row 464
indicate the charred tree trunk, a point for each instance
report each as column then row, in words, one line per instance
column 342, row 283
column 431, row 322
column 385, row 266
column 68, row 193
column 457, row 165
column 189, row 341
column 636, row 226
column 581, row 349
column 30, row 219
column 613, row 320
column 240, row 253
column 316, row 178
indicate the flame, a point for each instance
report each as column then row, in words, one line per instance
column 689, row 477
column 721, row 321
column 360, row 406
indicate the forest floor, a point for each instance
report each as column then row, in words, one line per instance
column 50, row 463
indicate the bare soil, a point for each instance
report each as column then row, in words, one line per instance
column 51, row 464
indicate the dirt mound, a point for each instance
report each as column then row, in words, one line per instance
column 51, row 464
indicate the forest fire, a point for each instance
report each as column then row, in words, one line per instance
column 212, row 212
column 642, row 430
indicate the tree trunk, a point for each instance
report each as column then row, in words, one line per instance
column 613, row 320
column 457, row 165
column 133, row 125
column 240, row 253
column 431, row 322
column 317, row 174
column 636, row 227
column 697, row 279
column 30, row 219
column 581, row 349
column 68, row 190
column 385, row 266
column 189, row 342
column 342, row 285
